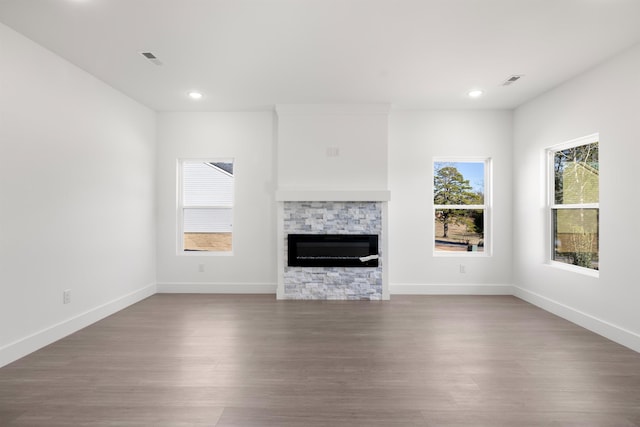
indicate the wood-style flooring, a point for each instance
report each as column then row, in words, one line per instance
column 230, row 360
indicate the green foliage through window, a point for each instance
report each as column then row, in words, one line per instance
column 459, row 206
column 575, row 204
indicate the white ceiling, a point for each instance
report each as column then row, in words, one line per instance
column 252, row 54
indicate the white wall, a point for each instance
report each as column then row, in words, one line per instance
column 78, row 179
column 249, row 139
column 358, row 132
column 605, row 100
column 416, row 137
column 77, row 196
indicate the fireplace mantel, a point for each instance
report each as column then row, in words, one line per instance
column 333, row 195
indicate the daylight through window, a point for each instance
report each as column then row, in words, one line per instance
column 575, row 196
column 460, row 204
column 205, row 206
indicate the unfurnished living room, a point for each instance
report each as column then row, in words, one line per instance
column 414, row 237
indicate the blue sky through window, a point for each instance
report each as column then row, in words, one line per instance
column 472, row 171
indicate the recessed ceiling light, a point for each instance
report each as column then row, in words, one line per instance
column 475, row 93
column 195, row 95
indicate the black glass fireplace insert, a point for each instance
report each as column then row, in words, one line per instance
column 333, row 250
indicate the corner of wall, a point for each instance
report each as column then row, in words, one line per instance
column 18, row 349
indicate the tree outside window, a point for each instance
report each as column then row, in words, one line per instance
column 575, row 202
column 459, row 206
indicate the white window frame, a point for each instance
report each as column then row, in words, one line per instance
column 551, row 151
column 180, row 207
column 487, row 206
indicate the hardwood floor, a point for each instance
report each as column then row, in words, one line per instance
column 224, row 360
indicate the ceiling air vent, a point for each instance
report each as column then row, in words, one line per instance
column 512, row 79
column 151, row 57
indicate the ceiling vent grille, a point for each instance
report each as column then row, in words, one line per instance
column 151, row 57
column 512, row 79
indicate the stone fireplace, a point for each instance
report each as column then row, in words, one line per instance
column 333, row 282
column 333, row 217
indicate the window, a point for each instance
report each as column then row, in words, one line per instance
column 574, row 202
column 205, row 206
column 460, row 206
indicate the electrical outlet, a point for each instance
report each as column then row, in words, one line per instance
column 201, row 268
column 333, row 151
column 463, row 269
column 66, row 296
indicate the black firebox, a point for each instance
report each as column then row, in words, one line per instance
column 333, row 250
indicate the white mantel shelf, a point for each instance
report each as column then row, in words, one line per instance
column 333, row 195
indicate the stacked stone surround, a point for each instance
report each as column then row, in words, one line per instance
column 340, row 283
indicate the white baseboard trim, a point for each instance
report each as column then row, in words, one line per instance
column 215, row 288
column 601, row 327
column 448, row 289
column 24, row 346
column 20, row 348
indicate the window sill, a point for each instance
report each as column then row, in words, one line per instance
column 203, row 253
column 461, row 254
column 574, row 268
